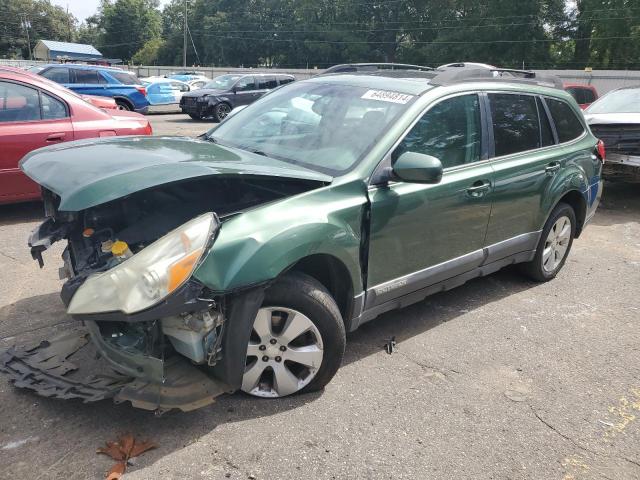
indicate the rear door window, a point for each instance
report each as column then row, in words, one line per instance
column 87, row 77
column 125, row 78
column 566, row 121
column 266, row 83
column 516, row 127
column 18, row 103
column 285, row 80
column 57, row 74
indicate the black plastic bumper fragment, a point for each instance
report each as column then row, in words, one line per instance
column 48, row 370
column 67, row 367
column 45, row 235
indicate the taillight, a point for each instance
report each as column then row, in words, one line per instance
column 147, row 129
column 602, row 154
column 142, row 90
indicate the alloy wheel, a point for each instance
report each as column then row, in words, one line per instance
column 556, row 244
column 223, row 110
column 284, row 353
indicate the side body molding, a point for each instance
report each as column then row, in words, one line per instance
column 412, row 288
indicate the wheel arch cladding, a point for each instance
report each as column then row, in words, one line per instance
column 334, row 275
column 125, row 100
column 571, row 188
column 576, row 200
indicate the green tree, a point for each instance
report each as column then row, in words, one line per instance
column 127, row 26
column 148, row 54
column 43, row 21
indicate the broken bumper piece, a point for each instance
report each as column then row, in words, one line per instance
column 69, row 366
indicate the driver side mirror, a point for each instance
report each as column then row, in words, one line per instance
column 416, row 167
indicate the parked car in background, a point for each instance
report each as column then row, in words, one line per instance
column 584, row 95
column 188, row 75
column 221, row 95
column 197, row 84
column 164, row 91
column 107, row 103
column 121, row 85
column 35, row 112
column 246, row 255
column 615, row 119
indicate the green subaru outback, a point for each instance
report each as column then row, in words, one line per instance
column 239, row 260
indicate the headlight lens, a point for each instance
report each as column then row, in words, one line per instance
column 150, row 275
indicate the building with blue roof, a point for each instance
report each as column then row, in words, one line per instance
column 50, row 50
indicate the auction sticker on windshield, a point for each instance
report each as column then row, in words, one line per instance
column 386, row 96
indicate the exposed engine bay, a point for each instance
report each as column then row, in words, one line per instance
column 164, row 355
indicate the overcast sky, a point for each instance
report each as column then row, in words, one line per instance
column 82, row 9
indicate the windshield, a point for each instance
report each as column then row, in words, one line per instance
column 626, row 100
column 223, row 82
column 326, row 127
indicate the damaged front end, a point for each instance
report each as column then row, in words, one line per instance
column 155, row 330
column 152, row 334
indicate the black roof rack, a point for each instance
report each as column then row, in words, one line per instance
column 374, row 67
column 508, row 75
column 450, row 76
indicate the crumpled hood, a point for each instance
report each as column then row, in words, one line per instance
column 612, row 118
column 206, row 91
column 91, row 172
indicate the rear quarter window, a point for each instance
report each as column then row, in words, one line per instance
column 126, row 78
column 568, row 126
column 285, row 80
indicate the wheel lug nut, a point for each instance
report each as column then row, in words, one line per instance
column 273, row 341
column 282, row 348
column 265, row 359
column 262, row 347
column 278, row 359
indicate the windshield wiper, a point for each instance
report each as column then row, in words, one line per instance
column 256, row 151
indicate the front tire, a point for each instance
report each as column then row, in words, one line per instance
column 297, row 341
column 220, row 111
column 554, row 245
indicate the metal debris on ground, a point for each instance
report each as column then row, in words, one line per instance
column 390, row 346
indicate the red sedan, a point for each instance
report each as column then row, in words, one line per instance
column 585, row 95
column 35, row 112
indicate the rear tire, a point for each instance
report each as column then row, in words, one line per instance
column 554, row 245
column 308, row 301
column 124, row 105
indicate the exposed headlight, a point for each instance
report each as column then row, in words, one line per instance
column 150, row 275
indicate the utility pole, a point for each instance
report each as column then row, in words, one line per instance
column 26, row 25
column 184, row 43
column 68, row 24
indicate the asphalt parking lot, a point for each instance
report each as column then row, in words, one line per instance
column 501, row 378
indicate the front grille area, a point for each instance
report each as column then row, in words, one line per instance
column 623, row 139
column 188, row 101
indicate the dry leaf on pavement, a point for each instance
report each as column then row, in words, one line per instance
column 122, row 450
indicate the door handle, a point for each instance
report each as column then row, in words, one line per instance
column 56, row 137
column 479, row 188
column 553, row 167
